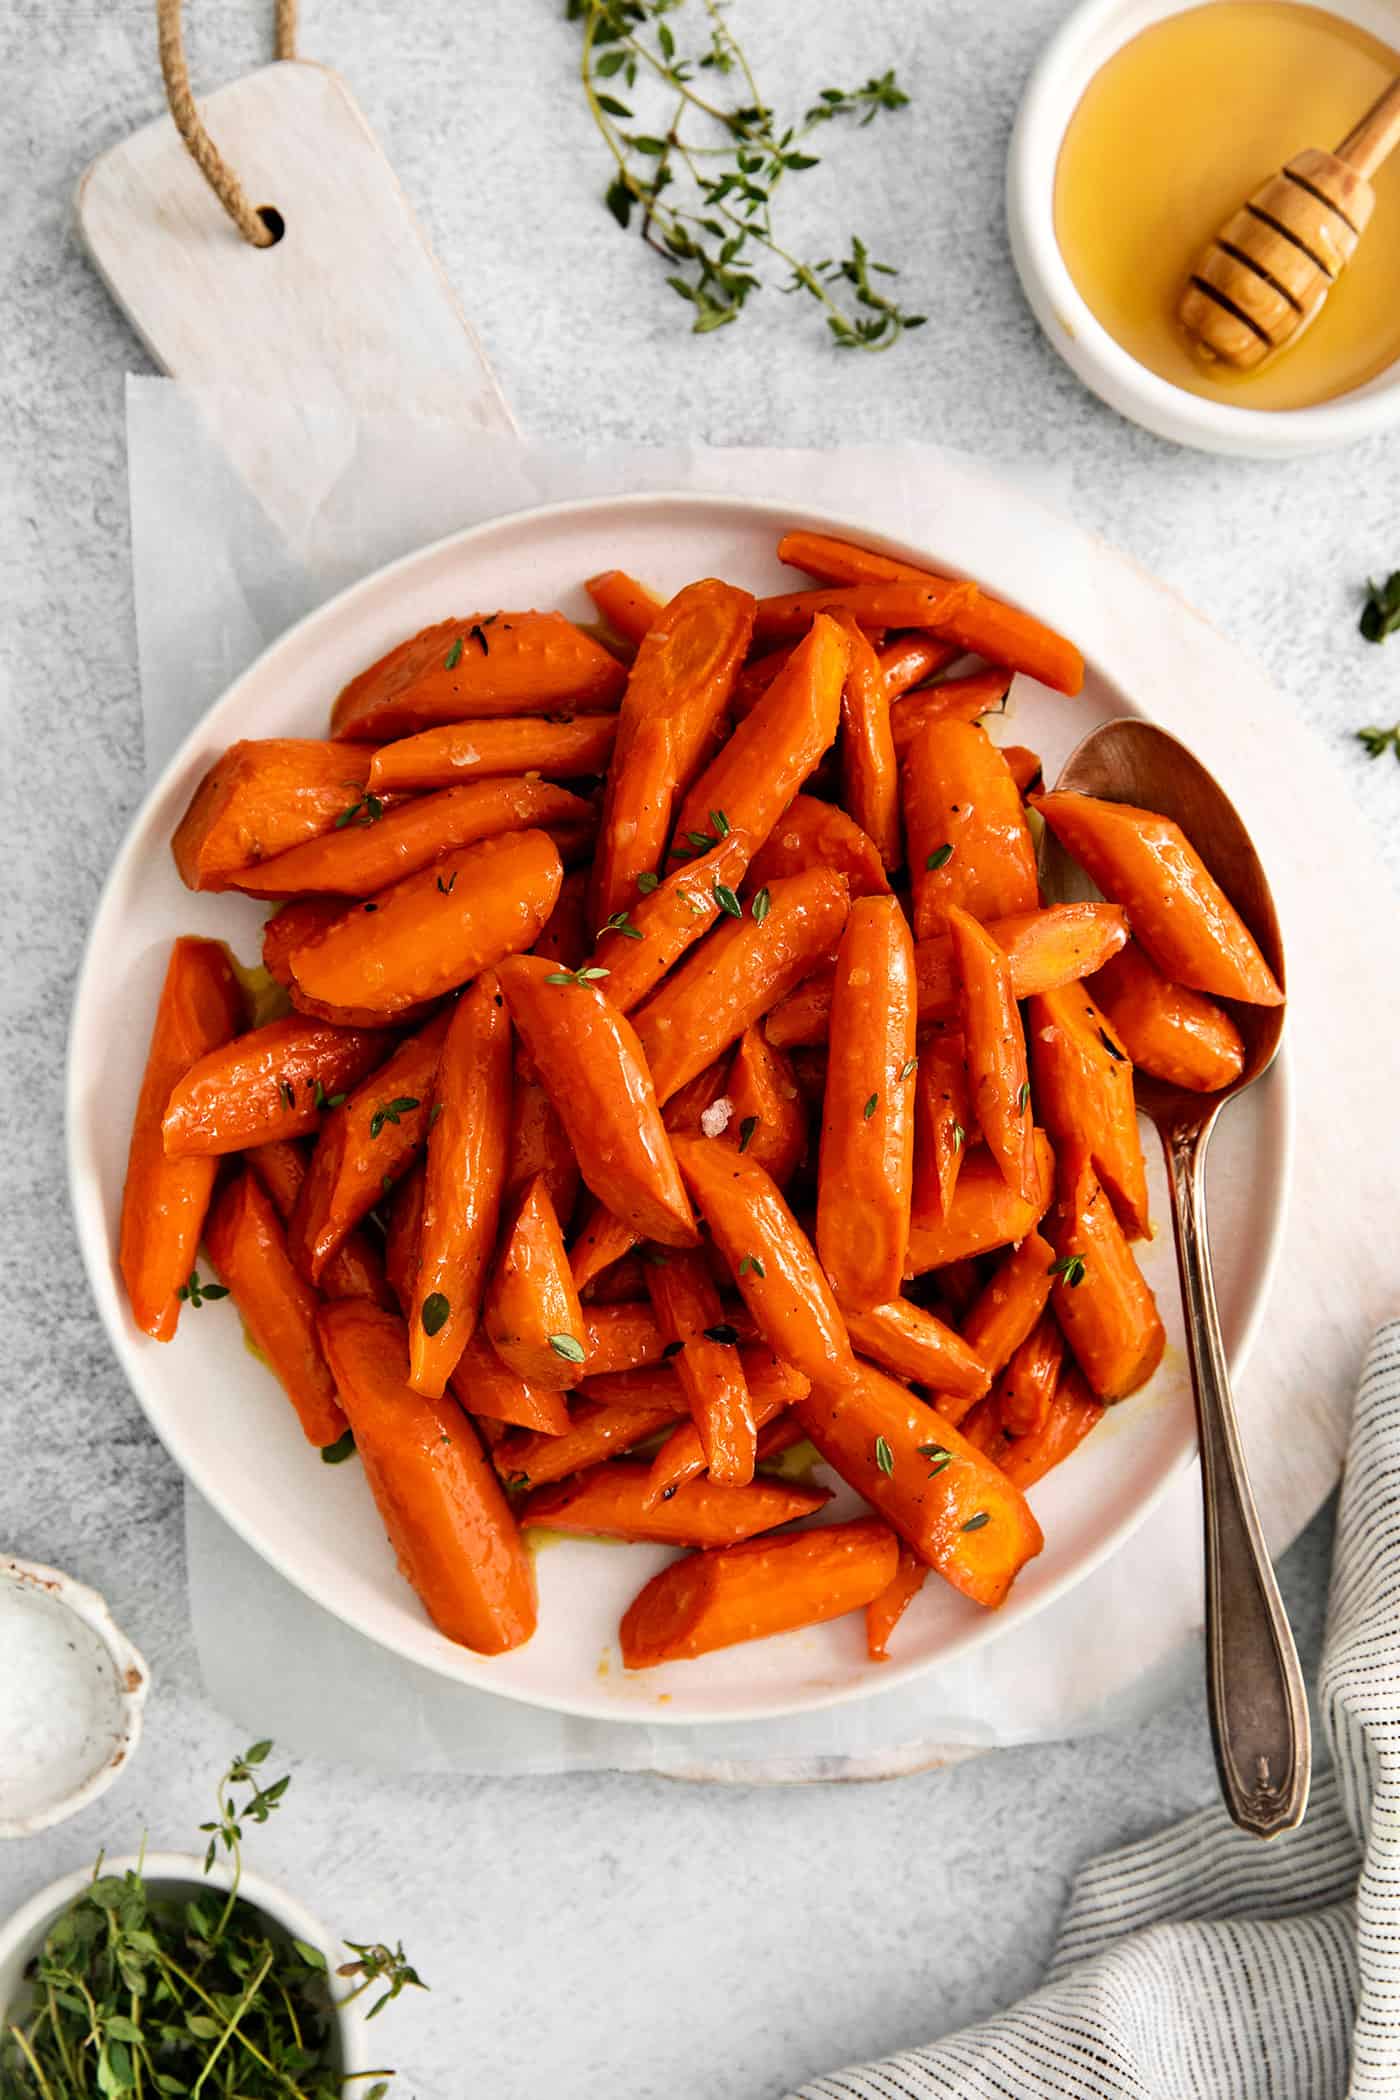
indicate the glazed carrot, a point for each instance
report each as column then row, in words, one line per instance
column 600, row 1241
column 912, row 1343
column 1072, row 1413
column 637, row 947
column 995, row 1049
column 487, row 1387
column 557, row 747
column 1004, row 1312
column 1179, row 913
column 165, row 1198
column 598, row 1429
column 403, row 1208
column 273, row 1082
column 754, row 680
column 983, row 1214
column 944, row 1124
column 1167, row 1029
column 744, row 967
column 364, row 1146
column 866, row 1168
column 620, row 1337
column 360, row 860
column 1023, row 765
column 815, row 834
column 590, row 1063
column 689, row 1312
column 772, row 1386
column 941, row 1495
column 869, row 767
column 1027, row 1386
column 429, row 933
column 249, row 1249
column 764, row 1586
column 510, row 663
column 676, row 693
column 883, row 1613
column 1102, row 1300
column 770, row 1259
column 564, row 938
column 983, row 625
column 908, row 661
column 968, row 840
column 610, row 1502
column 629, row 608
column 531, row 1314
column 951, row 700
column 440, row 1500
column 262, row 798
column 539, row 1145
column 768, row 1116
column 624, row 1283
column 356, row 1270
column 1084, row 1093
column 929, row 604
column 468, row 1135
column 288, row 928
column 772, row 751
column 1046, row 948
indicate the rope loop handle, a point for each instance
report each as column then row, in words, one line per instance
column 205, row 154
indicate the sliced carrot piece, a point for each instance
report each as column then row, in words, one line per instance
column 356, row 1270
column 611, row 1502
column 930, row 604
column 1169, row 1030
column 539, row 1145
column 764, row 1586
column 984, row 1213
column 510, row 663
column 905, row 1339
column 624, row 1283
column 1102, row 1300
column 767, row 1114
column 968, row 839
column 629, row 608
column 165, row 1197
column 600, row 1241
column 1024, row 766
column 639, row 946
column 944, row 1124
column 625, row 1336
column 598, row 1429
column 754, row 680
column 909, row 660
column 557, row 747
column 260, row 799
column 1179, row 912
column 531, row 1312
column 1084, row 1093
column 1004, row 1312
column 883, row 1613
column 1027, row 1385
column 771, row 1385
column 563, row 939
column 815, row 834
column 869, row 765
column 1072, row 1413
column 249, row 1249
column 951, row 700
column 442, row 1505
column 488, row 1387
column 995, row 1049
column 273, row 1082
column 403, row 1211
column 288, row 929
column 690, row 1314
column 432, row 931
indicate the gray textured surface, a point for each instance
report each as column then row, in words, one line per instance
column 587, row 1936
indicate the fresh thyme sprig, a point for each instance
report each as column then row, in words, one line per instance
column 702, row 181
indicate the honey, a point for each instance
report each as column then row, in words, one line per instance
column 1171, row 136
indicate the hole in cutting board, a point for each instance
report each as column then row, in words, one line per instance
column 273, row 220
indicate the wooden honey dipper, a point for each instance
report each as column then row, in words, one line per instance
column 1268, row 270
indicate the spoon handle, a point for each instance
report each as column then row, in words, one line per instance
column 1258, row 1707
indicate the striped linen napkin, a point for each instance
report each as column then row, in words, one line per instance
column 1202, row 1962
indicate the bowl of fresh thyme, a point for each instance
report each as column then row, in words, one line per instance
column 168, row 1974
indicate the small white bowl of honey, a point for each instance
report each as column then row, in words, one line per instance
column 1145, row 124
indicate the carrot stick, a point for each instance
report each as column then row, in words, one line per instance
column 488, row 1387
column 768, row 1116
column 869, row 766
column 983, row 1214
column 432, row 931
column 772, row 751
column 951, row 700
column 622, row 1337
column 815, row 834
column 440, row 1500
column 403, row 1206
column 968, row 839
column 1004, row 1313
column 1072, row 1413
column 356, row 1270
column 610, row 1502
column 770, row 1259
column 1179, row 913
column 360, row 859
column 745, row 966
column 624, row 1283
column 883, row 1613
column 292, row 926
column 929, row 604
column 564, row 937
column 510, row 663
column 1084, row 1094
column 468, row 1134
column 867, row 1150
column 912, row 1343
column 944, row 1125
column 629, row 608
column 762, row 1587
column 689, row 1313
column 165, row 1198
column 754, row 680
column 249, row 1249
column 1168, row 1030
column 941, row 1495
column 772, row 1386
column 598, row 1429
column 600, row 1241
column 995, row 1049
column 539, row 1145
column 677, row 691
column 639, row 946
column 260, row 799
column 982, row 625
column 273, row 1082
column 1027, row 1385
column 531, row 1313
column 364, row 1145
column 558, row 748
column 1024, row 767
column 1102, row 1300
column 591, row 1065
column 912, row 658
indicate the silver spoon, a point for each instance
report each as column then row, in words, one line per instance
column 1258, row 1707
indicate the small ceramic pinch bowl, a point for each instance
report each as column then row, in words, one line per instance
column 1074, row 55
column 74, row 1690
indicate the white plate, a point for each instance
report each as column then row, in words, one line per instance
column 227, row 1423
